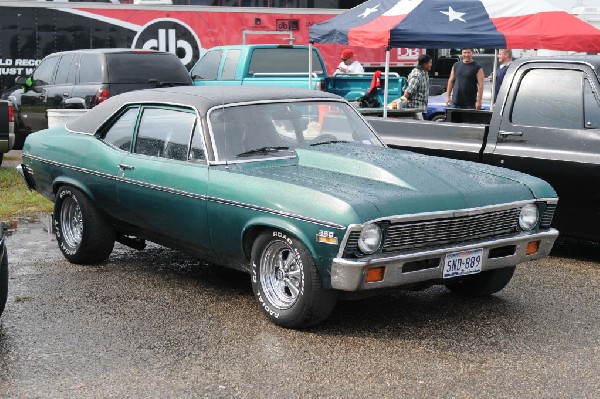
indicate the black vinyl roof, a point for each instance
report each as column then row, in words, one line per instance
column 201, row 98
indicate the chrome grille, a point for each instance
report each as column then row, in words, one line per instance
column 451, row 230
column 351, row 244
column 547, row 216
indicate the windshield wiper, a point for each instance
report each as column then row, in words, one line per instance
column 261, row 150
column 329, row 142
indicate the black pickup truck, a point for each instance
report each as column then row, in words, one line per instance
column 7, row 137
column 546, row 122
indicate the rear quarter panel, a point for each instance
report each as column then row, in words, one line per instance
column 59, row 157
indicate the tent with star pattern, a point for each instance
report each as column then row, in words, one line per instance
column 516, row 24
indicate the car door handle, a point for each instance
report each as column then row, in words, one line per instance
column 122, row 166
column 505, row 134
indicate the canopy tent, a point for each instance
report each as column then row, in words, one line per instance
column 515, row 24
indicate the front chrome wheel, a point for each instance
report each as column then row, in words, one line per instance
column 72, row 219
column 286, row 283
column 280, row 275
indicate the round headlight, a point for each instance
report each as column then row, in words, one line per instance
column 370, row 238
column 528, row 218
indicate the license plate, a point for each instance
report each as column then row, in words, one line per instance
column 463, row 263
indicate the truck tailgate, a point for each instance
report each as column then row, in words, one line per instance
column 454, row 140
column 6, row 132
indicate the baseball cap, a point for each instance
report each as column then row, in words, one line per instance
column 347, row 54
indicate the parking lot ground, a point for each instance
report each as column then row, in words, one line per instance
column 157, row 324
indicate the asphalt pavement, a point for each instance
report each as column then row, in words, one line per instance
column 159, row 324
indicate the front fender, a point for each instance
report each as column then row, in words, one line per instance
column 322, row 253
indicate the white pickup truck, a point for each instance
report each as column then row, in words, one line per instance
column 7, row 126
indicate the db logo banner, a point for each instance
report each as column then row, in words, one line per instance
column 409, row 54
column 170, row 35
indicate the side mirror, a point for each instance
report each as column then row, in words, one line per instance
column 22, row 81
column 25, row 82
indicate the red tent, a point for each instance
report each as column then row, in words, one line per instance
column 513, row 24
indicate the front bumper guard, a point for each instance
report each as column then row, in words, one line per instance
column 350, row 274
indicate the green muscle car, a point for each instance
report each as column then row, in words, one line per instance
column 289, row 185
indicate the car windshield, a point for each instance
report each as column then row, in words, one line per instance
column 270, row 130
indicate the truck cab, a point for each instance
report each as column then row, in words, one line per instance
column 272, row 65
column 286, row 66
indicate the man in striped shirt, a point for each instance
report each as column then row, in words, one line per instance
column 417, row 91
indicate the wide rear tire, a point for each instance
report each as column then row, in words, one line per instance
column 84, row 236
column 286, row 283
column 483, row 284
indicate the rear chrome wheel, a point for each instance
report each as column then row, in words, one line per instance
column 83, row 234
column 70, row 214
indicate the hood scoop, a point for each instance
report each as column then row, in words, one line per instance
column 351, row 164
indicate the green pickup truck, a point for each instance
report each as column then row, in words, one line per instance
column 284, row 66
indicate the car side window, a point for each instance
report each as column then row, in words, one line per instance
column 74, row 70
column 592, row 109
column 121, row 132
column 231, row 64
column 165, row 133
column 549, row 98
column 197, row 151
column 207, row 67
column 90, row 69
column 44, row 73
column 64, row 66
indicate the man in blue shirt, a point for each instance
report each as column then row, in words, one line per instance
column 504, row 60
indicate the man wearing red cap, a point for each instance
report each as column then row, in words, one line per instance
column 349, row 64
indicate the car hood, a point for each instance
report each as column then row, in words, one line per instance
column 378, row 182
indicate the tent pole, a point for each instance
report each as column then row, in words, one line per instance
column 310, row 71
column 386, row 77
column 493, row 79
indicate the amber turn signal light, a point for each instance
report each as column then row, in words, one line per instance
column 532, row 247
column 375, row 274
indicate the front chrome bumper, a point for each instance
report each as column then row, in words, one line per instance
column 349, row 274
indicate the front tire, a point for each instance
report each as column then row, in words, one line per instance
column 483, row 284
column 83, row 234
column 286, row 283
